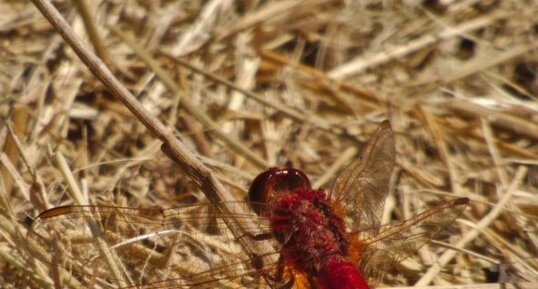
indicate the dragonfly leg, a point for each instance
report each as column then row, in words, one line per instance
column 278, row 277
column 275, row 279
column 257, row 237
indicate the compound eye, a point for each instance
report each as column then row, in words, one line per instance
column 272, row 182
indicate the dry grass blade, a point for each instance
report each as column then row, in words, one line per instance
column 358, row 65
column 184, row 101
column 447, row 256
column 91, row 28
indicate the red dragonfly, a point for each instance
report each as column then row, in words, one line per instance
column 320, row 240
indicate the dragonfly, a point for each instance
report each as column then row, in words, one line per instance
column 319, row 239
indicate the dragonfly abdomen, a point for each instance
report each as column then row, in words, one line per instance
column 338, row 273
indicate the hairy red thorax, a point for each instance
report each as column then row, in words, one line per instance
column 312, row 234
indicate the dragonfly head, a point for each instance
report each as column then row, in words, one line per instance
column 275, row 181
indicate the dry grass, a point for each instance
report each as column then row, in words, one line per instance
column 282, row 82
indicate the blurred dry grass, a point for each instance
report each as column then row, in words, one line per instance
column 458, row 80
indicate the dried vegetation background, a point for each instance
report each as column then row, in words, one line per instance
column 457, row 79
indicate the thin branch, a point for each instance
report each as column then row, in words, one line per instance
column 173, row 147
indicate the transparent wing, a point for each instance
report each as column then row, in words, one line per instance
column 383, row 247
column 113, row 247
column 363, row 185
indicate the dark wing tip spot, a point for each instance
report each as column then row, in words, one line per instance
column 55, row 212
column 385, row 124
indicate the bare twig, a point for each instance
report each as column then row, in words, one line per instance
column 175, row 149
